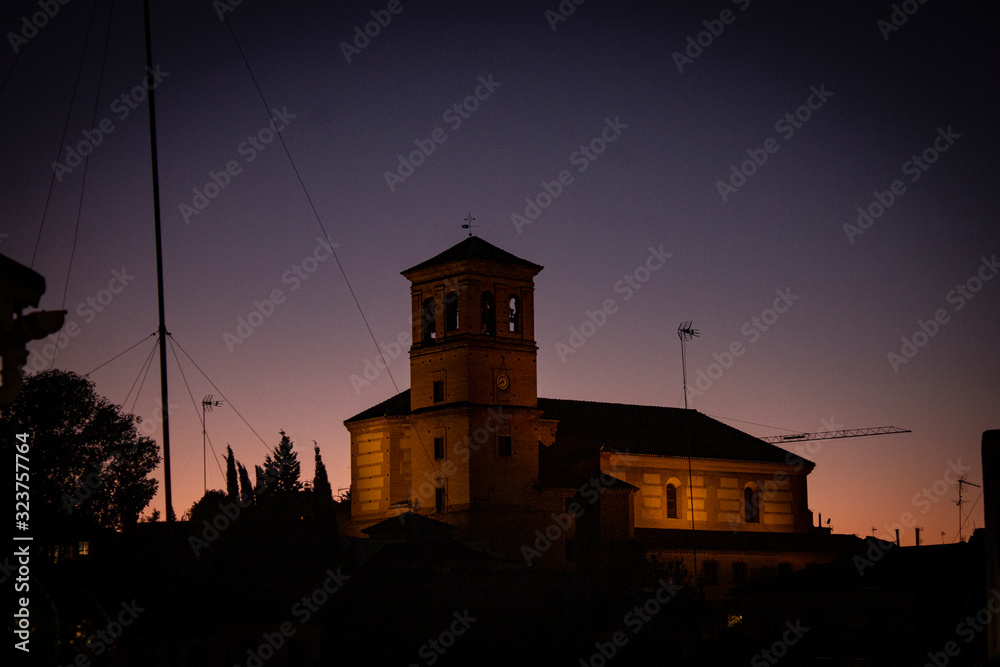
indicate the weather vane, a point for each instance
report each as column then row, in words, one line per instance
column 468, row 223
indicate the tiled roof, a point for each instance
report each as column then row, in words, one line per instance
column 473, row 248
column 586, row 426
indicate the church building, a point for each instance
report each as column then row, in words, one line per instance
column 550, row 480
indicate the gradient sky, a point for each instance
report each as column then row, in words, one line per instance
column 820, row 365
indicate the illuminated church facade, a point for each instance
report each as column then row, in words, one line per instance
column 471, row 445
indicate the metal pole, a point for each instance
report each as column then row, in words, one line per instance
column 159, row 276
column 684, row 374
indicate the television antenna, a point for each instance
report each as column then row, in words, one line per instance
column 961, row 521
column 685, row 333
column 206, row 406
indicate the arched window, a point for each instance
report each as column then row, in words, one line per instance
column 751, row 505
column 451, row 311
column 671, row 501
column 428, row 321
column 514, row 313
column 487, row 309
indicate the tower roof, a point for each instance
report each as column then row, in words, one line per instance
column 473, row 249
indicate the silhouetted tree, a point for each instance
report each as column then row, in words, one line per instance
column 206, row 507
column 232, row 482
column 259, row 482
column 282, row 471
column 88, row 460
column 321, row 482
column 246, row 488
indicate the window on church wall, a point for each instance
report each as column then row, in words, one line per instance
column 671, row 501
column 487, row 310
column 751, row 505
column 451, row 311
column 438, row 448
column 428, row 321
column 504, row 445
column 513, row 314
column 439, row 499
column 438, row 389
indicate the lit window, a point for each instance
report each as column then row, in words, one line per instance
column 514, row 313
column 671, row 501
column 84, row 548
column 428, row 321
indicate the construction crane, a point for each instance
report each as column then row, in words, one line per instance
column 829, row 435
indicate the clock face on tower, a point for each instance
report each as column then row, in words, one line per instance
column 503, row 381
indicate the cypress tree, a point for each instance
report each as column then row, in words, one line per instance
column 232, row 481
column 321, row 482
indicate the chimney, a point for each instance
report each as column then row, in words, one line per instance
column 991, row 498
column 917, row 532
column 897, row 537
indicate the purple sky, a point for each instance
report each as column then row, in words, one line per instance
column 669, row 138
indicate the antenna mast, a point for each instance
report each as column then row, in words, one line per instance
column 685, row 333
column 961, row 522
column 206, row 406
column 159, row 278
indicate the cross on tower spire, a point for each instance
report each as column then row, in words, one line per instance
column 468, row 223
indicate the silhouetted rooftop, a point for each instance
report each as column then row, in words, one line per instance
column 587, row 426
column 473, row 248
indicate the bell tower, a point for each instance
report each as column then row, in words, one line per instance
column 473, row 324
column 473, row 388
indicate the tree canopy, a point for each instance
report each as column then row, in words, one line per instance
column 88, row 461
